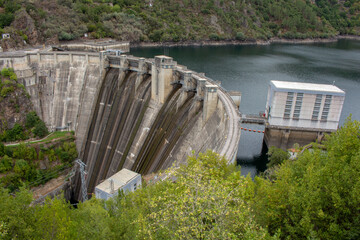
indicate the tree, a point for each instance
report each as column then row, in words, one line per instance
column 276, row 156
column 54, row 221
column 205, row 199
column 2, row 149
column 16, row 214
column 16, row 133
column 31, row 119
column 317, row 195
column 40, row 129
column 5, row 164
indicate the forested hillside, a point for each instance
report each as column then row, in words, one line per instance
column 37, row 21
column 316, row 196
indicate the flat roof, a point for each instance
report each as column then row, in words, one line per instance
column 120, row 179
column 306, row 87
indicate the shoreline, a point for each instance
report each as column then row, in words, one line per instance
column 239, row 43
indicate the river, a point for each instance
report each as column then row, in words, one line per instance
column 249, row 69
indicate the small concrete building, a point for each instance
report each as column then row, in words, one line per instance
column 5, row 36
column 125, row 180
column 301, row 112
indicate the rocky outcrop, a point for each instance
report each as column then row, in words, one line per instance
column 14, row 107
column 26, row 24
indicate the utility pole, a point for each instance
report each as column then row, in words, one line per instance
column 83, row 183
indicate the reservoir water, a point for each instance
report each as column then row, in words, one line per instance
column 249, row 69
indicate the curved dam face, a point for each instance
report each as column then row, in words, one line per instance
column 128, row 112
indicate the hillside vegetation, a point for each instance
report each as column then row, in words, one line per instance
column 316, row 196
column 27, row 164
column 38, row 21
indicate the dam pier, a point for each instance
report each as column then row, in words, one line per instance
column 127, row 112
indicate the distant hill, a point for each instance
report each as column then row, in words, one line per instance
column 37, row 21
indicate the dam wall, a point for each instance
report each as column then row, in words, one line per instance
column 62, row 86
column 141, row 114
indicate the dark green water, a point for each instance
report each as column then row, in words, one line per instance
column 249, row 69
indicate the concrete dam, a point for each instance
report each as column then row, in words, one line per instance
column 127, row 112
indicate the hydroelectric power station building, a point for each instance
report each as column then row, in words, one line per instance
column 301, row 112
column 125, row 180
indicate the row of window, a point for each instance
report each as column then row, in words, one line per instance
column 288, row 105
column 326, row 107
column 298, row 105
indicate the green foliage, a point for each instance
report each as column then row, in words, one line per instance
column 5, row 91
column 240, row 36
column 5, row 164
column 21, row 167
column 16, row 133
column 316, row 196
column 25, row 152
column 276, row 156
column 2, row 149
column 172, row 20
column 40, row 129
column 31, row 119
column 208, row 200
column 16, row 214
column 6, row 19
column 7, row 72
column 66, row 36
column 9, row 83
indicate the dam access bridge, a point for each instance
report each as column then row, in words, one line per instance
column 128, row 112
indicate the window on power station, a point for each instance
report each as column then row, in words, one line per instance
column 316, row 110
column 289, row 103
column 298, row 104
column 326, row 108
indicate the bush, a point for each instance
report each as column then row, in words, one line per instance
column 214, row 37
column 40, row 129
column 31, row 119
column 16, row 133
column 240, row 36
column 66, row 36
column 5, row 164
column 156, row 35
column 21, row 167
column 276, row 156
column 6, row 19
column 6, row 90
column 2, row 149
column 6, row 72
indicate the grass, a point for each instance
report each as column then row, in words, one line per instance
column 55, row 135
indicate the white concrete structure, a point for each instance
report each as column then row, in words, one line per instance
column 5, row 35
column 125, row 180
column 304, row 105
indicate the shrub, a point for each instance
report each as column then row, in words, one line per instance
column 16, row 133
column 66, row 36
column 214, row 37
column 6, row 19
column 31, row 119
column 6, row 90
column 6, row 72
column 40, row 129
column 21, row 167
column 2, row 149
column 5, row 164
column 156, row 35
column 240, row 36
